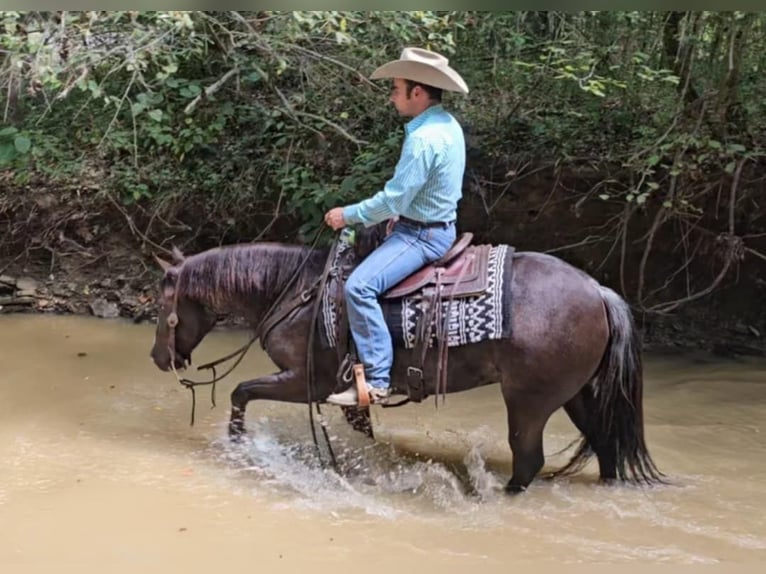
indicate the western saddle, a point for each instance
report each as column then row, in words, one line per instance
column 463, row 268
column 461, row 272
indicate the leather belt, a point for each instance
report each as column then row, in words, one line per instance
column 413, row 222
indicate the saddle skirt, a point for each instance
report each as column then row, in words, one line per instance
column 476, row 299
column 465, row 275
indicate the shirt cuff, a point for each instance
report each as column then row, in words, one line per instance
column 351, row 214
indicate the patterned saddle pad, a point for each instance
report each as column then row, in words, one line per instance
column 471, row 319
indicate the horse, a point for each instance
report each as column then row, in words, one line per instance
column 573, row 344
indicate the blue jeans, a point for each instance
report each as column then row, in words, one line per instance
column 406, row 249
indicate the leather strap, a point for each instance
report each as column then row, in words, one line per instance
column 361, row 386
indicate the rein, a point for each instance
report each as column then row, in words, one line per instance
column 310, row 379
column 269, row 321
column 276, row 313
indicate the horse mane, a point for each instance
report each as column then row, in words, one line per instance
column 223, row 275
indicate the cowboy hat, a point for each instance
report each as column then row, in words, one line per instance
column 425, row 67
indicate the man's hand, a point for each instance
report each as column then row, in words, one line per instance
column 334, row 218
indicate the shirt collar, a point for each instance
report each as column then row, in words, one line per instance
column 421, row 118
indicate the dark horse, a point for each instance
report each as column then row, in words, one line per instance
column 573, row 344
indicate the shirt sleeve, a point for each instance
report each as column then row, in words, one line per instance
column 409, row 177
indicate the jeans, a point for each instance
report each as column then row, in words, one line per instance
column 406, row 249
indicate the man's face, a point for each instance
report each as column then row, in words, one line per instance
column 404, row 103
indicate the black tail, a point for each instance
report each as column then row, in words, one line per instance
column 617, row 399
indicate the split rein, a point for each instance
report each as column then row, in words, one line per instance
column 270, row 320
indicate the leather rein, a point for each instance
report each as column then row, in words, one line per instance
column 273, row 317
column 277, row 312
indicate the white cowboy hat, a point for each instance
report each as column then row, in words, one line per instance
column 425, row 67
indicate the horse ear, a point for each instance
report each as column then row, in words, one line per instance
column 178, row 257
column 162, row 263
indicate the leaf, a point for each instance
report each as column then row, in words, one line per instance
column 156, row 115
column 714, row 144
column 735, row 148
column 653, row 185
column 730, row 167
column 604, row 196
column 7, row 153
column 667, row 204
column 653, row 160
column 9, row 131
column 22, row 144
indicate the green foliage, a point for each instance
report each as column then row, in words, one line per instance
column 15, row 146
column 254, row 111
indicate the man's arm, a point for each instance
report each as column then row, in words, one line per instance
column 409, row 177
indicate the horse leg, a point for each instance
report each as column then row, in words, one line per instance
column 359, row 419
column 286, row 386
column 525, row 437
column 581, row 409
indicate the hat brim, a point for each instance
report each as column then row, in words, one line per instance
column 443, row 77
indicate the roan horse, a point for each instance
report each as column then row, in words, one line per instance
column 573, row 344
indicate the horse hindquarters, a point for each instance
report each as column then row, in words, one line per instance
column 609, row 411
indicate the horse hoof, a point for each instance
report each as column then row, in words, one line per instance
column 514, row 488
column 236, row 432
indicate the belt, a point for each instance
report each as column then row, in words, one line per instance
column 415, row 223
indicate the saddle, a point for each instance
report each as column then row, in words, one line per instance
column 462, row 272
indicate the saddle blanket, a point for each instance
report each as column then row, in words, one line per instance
column 471, row 319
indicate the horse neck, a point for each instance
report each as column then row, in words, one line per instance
column 246, row 280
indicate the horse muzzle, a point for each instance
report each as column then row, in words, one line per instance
column 166, row 362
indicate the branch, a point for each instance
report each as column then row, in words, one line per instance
column 734, row 251
column 133, row 227
column 659, row 219
column 733, row 194
column 333, row 61
column 210, row 90
column 587, row 241
column 119, row 107
column 624, row 245
column 667, row 307
column 279, row 199
column 294, row 113
column 333, row 125
column 752, row 251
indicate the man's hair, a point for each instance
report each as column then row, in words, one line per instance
column 434, row 94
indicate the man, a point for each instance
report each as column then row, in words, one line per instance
column 422, row 196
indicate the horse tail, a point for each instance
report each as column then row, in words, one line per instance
column 614, row 399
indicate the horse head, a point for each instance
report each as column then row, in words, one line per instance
column 181, row 321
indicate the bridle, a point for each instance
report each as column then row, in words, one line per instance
column 278, row 311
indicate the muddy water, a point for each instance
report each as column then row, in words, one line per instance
column 100, row 470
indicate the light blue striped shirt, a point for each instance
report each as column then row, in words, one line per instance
column 428, row 179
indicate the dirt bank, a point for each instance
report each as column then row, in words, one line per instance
column 84, row 253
